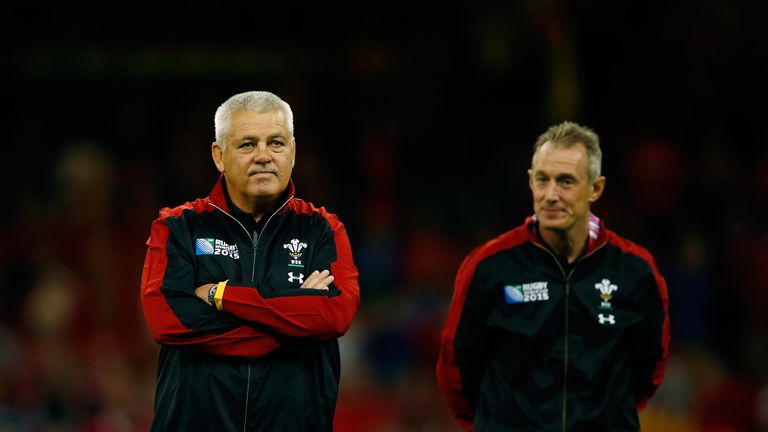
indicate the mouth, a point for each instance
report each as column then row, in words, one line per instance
column 552, row 212
column 257, row 173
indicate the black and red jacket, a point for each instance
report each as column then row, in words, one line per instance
column 533, row 344
column 269, row 360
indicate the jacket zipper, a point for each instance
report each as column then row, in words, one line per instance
column 567, row 314
column 247, row 393
column 567, row 307
column 257, row 237
column 255, row 242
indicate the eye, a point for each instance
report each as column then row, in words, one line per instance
column 567, row 181
column 245, row 145
column 277, row 145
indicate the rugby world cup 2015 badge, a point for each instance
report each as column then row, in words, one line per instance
column 527, row 292
column 211, row 246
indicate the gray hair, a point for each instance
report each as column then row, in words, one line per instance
column 252, row 101
column 568, row 134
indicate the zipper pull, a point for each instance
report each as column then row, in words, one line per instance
column 255, row 239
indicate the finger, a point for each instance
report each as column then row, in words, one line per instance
column 318, row 280
column 327, row 282
column 323, row 284
column 311, row 280
column 318, row 276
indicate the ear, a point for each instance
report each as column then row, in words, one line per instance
column 530, row 178
column 598, row 186
column 293, row 162
column 218, row 156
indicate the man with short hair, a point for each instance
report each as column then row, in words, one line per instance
column 248, row 289
column 558, row 324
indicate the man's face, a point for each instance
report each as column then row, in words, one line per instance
column 562, row 192
column 258, row 158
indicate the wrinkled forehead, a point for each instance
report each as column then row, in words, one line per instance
column 567, row 157
column 271, row 122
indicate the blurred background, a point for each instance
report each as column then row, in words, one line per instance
column 414, row 124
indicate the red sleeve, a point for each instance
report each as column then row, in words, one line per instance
column 460, row 364
column 175, row 316
column 448, row 371
column 306, row 312
column 659, row 368
column 653, row 334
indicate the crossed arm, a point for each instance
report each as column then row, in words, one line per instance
column 248, row 324
column 317, row 280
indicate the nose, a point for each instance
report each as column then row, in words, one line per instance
column 551, row 192
column 261, row 154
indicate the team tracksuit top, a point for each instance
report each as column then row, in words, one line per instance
column 269, row 359
column 532, row 344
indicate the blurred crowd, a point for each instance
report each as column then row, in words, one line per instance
column 75, row 354
column 423, row 157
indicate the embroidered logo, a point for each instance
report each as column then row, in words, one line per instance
column 210, row 246
column 294, row 250
column 606, row 288
column 292, row 278
column 610, row 319
column 527, row 292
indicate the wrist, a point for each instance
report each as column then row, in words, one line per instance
column 212, row 294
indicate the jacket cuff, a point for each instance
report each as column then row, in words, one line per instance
column 219, row 296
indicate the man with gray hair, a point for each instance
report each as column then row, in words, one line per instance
column 248, row 289
column 558, row 324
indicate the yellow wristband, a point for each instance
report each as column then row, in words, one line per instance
column 219, row 295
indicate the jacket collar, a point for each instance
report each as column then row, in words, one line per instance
column 597, row 233
column 218, row 196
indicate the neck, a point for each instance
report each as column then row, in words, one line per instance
column 568, row 243
column 257, row 207
column 260, row 209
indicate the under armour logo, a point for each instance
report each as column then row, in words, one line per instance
column 300, row 278
column 610, row 319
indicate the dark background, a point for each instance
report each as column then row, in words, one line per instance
column 414, row 124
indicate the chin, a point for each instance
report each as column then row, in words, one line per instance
column 552, row 224
column 263, row 188
column 552, row 227
column 264, row 193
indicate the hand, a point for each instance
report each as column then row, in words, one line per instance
column 318, row 280
column 202, row 291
